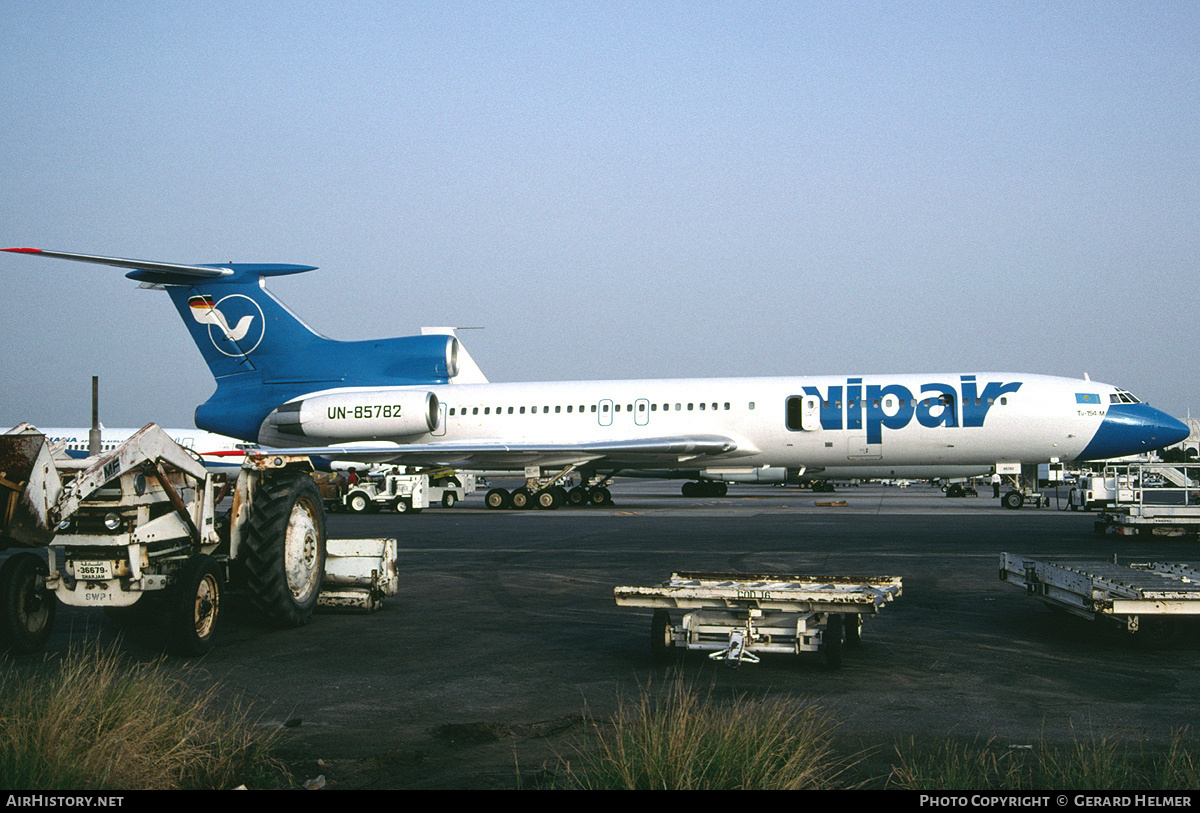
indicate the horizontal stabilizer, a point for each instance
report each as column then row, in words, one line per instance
column 172, row 273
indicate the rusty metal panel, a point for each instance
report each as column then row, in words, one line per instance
column 790, row 592
column 29, row 490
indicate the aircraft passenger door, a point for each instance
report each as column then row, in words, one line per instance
column 803, row 413
column 641, row 412
column 605, row 412
column 810, row 413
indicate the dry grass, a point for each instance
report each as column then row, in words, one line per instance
column 683, row 741
column 1095, row 763
column 92, row 721
column 675, row 738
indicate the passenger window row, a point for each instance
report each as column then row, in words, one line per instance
column 604, row 407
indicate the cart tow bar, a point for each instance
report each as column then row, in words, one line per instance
column 733, row 655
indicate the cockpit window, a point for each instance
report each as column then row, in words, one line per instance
column 1123, row 397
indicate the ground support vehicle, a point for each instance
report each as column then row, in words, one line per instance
column 1054, row 475
column 1153, row 498
column 449, row 487
column 1149, row 600
column 137, row 529
column 1091, row 492
column 736, row 616
column 402, row 493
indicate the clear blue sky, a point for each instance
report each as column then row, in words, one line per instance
column 613, row 190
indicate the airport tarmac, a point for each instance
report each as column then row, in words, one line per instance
column 505, row 634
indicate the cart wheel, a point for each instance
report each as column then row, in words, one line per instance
column 831, row 640
column 449, row 499
column 1157, row 632
column 402, row 506
column 853, row 629
column 196, row 605
column 27, row 606
column 359, row 503
column 662, row 644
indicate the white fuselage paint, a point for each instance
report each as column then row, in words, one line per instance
column 1040, row 419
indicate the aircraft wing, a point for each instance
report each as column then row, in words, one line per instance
column 490, row 455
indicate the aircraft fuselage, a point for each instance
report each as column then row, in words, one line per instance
column 931, row 419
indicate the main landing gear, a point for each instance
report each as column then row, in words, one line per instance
column 547, row 499
column 548, row 494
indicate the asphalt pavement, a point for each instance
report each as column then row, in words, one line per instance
column 505, row 636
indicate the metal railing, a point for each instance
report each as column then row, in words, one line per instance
column 1137, row 485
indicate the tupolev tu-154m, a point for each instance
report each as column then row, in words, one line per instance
column 422, row 401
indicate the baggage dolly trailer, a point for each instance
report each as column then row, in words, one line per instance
column 736, row 616
column 1148, row 599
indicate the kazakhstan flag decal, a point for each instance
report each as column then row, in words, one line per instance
column 1087, row 398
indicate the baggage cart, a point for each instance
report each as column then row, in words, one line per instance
column 736, row 616
column 1148, row 599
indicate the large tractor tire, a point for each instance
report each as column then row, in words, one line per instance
column 26, row 607
column 283, row 548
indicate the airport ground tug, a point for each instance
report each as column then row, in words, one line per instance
column 137, row 529
column 402, row 493
column 1150, row 600
column 735, row 617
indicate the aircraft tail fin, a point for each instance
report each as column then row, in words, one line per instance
column 260, row 353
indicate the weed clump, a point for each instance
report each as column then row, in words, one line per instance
column 93, row 721
column 680, row 740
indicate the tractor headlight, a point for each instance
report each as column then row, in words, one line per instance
column 112, row 521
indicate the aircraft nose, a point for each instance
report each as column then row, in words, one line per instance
column 1129, row 429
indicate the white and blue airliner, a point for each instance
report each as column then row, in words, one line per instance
column 421, row 401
